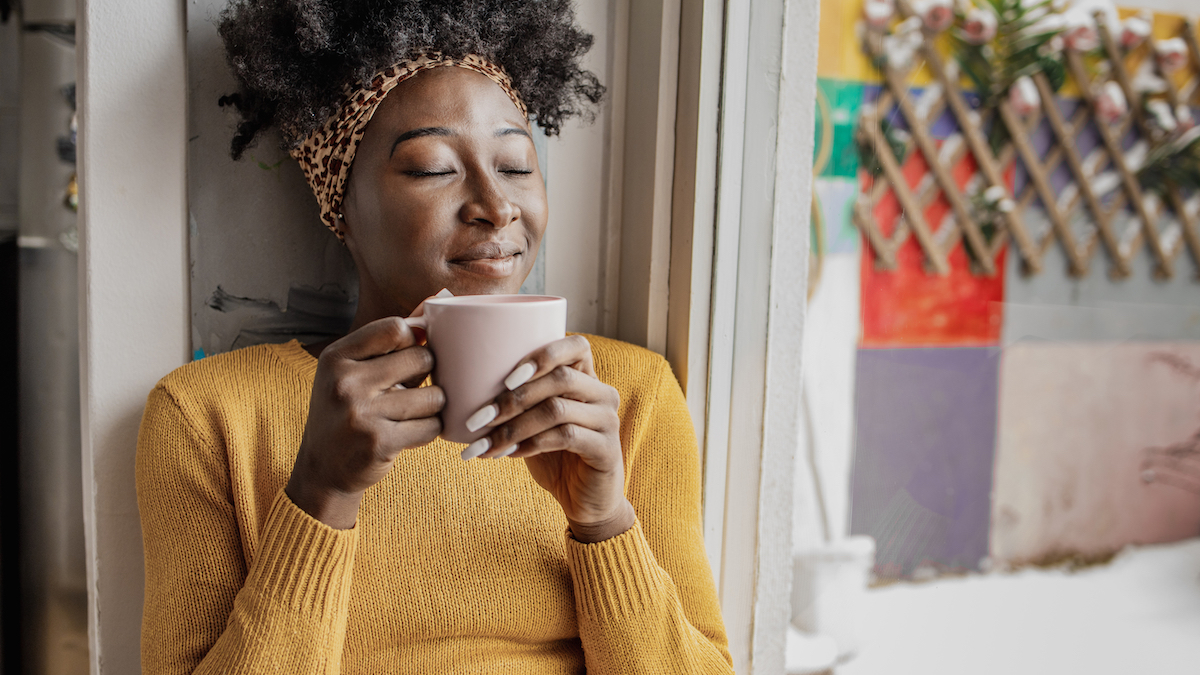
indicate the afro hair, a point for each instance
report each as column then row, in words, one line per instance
column 293, row 59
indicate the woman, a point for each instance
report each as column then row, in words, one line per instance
column 300, row 514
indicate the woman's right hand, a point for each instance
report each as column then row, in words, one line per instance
column 359, row 419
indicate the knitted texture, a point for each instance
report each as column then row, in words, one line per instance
column 452, row 566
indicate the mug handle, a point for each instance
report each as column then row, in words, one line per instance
column 421, row 322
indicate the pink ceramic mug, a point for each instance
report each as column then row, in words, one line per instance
column 477, row 341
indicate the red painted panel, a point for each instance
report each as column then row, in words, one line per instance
column 911, row 307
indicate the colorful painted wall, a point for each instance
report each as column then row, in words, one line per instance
column 962, row 419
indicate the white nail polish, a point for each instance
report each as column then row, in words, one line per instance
column 477, row 448
column 520, row 376
column 444, row 293
column 481, row 417
column 507, row 451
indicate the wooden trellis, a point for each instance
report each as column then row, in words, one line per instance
column 1120, row 221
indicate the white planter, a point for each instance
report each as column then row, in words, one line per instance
column 828, row 589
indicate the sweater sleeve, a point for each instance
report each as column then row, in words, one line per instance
column 645, row 599
column 207, row 610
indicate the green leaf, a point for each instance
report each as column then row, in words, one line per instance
column 1055, row 70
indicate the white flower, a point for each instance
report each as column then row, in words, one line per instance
column 1134, row 31
column 979, row 26
column 1185, row 118
column 937, row 15
column 1105, row 183
column 1172, row 54
column 1023, row 96
column 1111, row 104
column 1052, row 47
column 994, row 194
column 1080, row 34
column 1163, row 116
column 878, row 13
column 1146, row 80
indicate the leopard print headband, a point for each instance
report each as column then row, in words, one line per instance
column 326, row 155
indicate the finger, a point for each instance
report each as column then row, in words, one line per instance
column 399, row 405
column 408, row 366
column 586, row 443
column 414, row 433
column 548, row 414
column 562, row 382
column 574, row 351
column 382, row 336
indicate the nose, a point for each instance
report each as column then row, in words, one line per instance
column 487, row 202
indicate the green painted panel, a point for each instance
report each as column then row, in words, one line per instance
column 840, row 101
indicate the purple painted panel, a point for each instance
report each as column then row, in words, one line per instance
column 926, row 429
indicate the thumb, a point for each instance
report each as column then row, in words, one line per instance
column 420, row 311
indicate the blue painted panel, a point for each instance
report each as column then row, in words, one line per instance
column 922, row 480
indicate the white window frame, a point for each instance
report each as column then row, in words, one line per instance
column 737, row 348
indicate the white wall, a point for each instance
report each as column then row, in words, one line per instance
column 133, row 283
column 583, row 184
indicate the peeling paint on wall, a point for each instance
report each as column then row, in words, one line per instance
column 311, row 315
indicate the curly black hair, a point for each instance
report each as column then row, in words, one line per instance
column 294, row 58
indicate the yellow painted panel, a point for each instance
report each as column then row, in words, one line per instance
column 840, row 54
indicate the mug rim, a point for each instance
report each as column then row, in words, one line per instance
column 484, row 300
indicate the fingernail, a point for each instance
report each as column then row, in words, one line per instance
column 477, row 448
column 481, row 417
column 520, row 376
column 444, row 293
column 507, row 451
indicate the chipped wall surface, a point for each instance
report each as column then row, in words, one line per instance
column 1097, row 448
column 256, row 239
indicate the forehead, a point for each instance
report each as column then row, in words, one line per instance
column 451, row 97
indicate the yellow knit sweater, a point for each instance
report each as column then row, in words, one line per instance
column 452, row 567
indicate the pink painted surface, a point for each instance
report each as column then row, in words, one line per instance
column 1079, row 425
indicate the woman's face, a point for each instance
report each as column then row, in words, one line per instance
column 445, row 192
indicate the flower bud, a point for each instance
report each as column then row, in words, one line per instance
column 937, row 15
column 1023, row 96
column 1171, row 54
column 980, row 26
column 1111, row 104
column 1081, row 34
column 1134, row 32
column 878, row 13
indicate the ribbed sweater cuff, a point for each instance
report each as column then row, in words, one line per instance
column 304, row 564
column 617, row 577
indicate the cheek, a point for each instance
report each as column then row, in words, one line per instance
column 535, row 209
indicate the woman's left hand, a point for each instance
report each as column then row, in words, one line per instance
column 563, row 422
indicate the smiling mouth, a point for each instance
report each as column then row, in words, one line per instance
column 490, row 259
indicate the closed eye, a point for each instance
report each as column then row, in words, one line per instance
column 517, row 172
column 423, row 174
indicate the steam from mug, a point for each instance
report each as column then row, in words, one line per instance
column 477, row 341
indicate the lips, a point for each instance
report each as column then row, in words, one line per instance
column 488, row 250
column 489, row 258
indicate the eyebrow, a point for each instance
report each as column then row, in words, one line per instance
column 443, row 131
column 418, row 133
